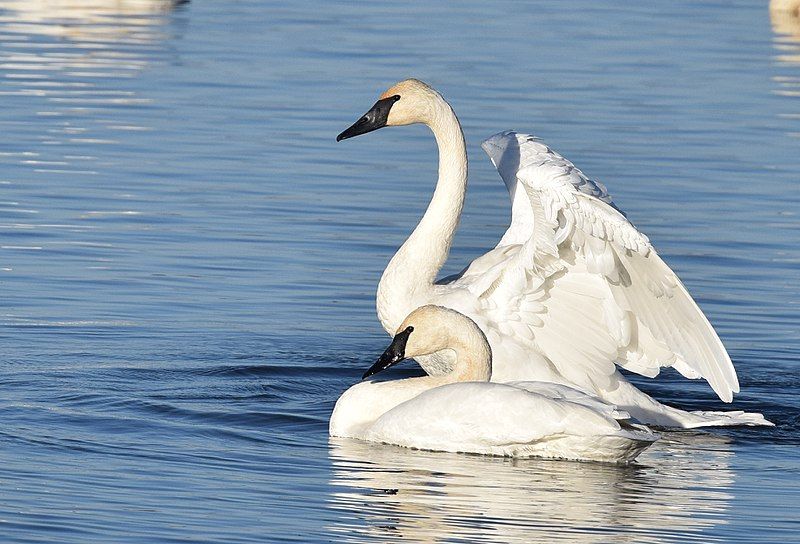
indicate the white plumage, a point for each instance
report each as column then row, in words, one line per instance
column 449, row 413
column 644, row 317
column 572, row 289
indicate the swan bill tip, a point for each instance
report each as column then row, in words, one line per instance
column 395, row 353
column 374, row 119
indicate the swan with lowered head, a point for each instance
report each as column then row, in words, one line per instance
column 571, row 288
column 461, row 411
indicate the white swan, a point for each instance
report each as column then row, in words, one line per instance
column 785, row 18
column 572, row 287
column 462, row 412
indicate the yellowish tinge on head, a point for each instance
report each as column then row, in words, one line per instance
column 404, row 87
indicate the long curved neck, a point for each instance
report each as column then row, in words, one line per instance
column 412, row 271
column 472, row 361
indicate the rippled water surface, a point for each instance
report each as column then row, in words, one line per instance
column 188, row 260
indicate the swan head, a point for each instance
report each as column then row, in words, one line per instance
column 431, row 328
column 404, row 103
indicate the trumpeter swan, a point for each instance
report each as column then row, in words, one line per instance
column 460, row 411
column 571, row 288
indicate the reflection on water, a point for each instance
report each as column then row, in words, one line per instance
column 69, row 73
column 188, row 261
column 675, row 492
column 85, row 20
column 68, row 54
column 785, row 18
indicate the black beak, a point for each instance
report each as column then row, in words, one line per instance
column 395, row 353
column 374, row 119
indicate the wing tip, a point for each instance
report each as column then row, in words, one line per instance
column 726, row 390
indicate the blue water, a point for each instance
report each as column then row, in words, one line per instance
column 188, row 260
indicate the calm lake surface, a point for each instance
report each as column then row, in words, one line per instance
column 188, row 260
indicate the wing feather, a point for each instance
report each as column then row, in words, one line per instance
column 602, row 294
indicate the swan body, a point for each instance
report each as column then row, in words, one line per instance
column 572, row 289
column 461, row 411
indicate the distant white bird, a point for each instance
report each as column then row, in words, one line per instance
column 571, row 288
column 788, row 7
column 462, row 412
column 785, row 18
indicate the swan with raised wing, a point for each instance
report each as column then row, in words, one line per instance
column 571, row 290
column 461, row 411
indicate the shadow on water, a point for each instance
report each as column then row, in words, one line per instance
column 391, row 493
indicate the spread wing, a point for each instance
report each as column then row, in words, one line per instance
column 577, row 281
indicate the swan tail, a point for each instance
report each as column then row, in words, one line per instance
column 645, row 409
column 725, row 419
column 661, row 415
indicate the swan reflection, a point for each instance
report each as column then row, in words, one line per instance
column 785, row 18
column 86, row 21
column 680, row 488
column 66, row 62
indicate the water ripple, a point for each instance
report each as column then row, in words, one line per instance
column 188, row 261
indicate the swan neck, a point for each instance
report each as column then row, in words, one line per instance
column 473, row 359
column 473, row 363
column 445, row 329
column 409, row 278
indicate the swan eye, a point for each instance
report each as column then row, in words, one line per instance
column 396, row 97
column 409, row 329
